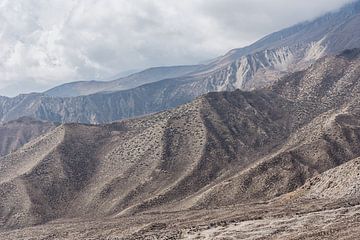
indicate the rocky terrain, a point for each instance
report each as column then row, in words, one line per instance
column 277, row 163
column 254, row 67
column 15, row 134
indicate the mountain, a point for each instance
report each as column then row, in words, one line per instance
column 289, row 50
column 150, row 75
column 15, row 134
column 327, row 28
column 254, row 67
column 254, row 150
column 100, row 107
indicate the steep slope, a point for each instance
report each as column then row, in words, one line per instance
column 219, row 150
column 150, row 75
column 16, row 133
column 331, row 30
column 288, row 50
column 14, row 192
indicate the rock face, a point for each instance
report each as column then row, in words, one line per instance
column 15, row 134
column 219, row 150
column 256, row 66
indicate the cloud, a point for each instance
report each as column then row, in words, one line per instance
column 48, row 42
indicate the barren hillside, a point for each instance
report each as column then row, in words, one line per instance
column 16, row 133
column 249, row 158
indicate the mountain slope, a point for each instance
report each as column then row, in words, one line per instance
column 16, row 133
column 290, row 49
column 327, row 29
column 128, row 166
column 219, row 150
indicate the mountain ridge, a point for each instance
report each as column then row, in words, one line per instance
column 149, row 75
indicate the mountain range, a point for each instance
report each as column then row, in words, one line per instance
column 157, row 89
column 271, row 147
column 261, row 143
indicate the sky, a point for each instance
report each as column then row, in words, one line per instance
column 44, row 43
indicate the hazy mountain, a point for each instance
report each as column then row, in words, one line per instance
column 290, row 49
column 333, row 29
column 219, row 150
column 100, row 107
column 256, row 66
column 134, row 80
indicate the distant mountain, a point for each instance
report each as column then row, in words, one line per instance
column 335, row 30
column 254, row 67
column 289, row 50
column 150, row 75
column 219, row 150
column 100, row 107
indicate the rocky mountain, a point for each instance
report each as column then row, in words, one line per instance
column 150, row 75
column 289, row 50
column 101, row 107
column 253, row 158
column 254, row 67
column 15, row 134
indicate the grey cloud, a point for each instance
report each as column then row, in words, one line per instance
column 255, row 18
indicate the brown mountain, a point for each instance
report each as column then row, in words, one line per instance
column 227, row 163
column 16, row 133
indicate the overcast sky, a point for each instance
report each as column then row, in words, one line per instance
column 47, row 42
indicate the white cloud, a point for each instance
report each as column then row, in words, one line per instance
column 47, row 42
